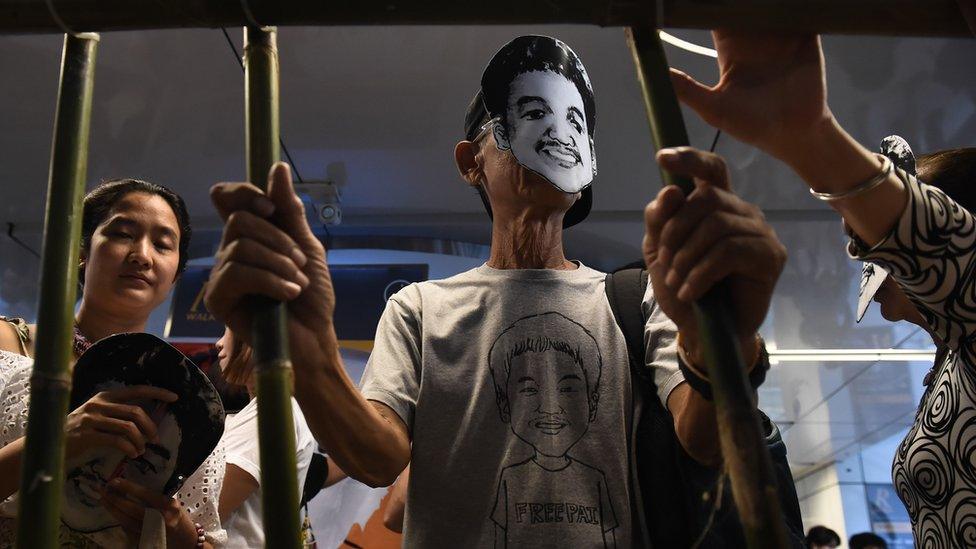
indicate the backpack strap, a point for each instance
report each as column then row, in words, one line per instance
column 315, row 477
column 625, row 292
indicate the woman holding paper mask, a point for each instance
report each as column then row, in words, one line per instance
column 772, row 94
column 135, row 237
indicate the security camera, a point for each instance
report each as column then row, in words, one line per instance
column 330, row 214
column 323, row 204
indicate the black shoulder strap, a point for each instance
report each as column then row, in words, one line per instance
column 625, row 291
column 315, row 477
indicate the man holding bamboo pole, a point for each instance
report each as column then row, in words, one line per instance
column 507, row 388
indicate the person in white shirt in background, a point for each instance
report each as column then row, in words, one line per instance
column 240, row 496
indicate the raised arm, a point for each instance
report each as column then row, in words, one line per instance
column 772, row 93
column 268, row 249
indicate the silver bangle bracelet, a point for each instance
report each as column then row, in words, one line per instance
column 886, row 169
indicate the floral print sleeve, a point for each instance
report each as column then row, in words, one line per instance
column 931, row 253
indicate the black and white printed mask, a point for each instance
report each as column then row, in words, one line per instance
column 873, row 276
column 188, row 429
column 541, row 102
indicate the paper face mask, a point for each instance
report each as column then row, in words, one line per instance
column 872, row 276
column 187, row 429
column 539, row 96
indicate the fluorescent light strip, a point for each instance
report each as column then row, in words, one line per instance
column 686, row 45
column 850, row 355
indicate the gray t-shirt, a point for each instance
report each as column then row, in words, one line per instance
column 515, row 386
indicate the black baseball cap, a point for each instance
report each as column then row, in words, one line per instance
column 474, row 119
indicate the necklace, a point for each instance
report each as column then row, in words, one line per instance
column 80, row 343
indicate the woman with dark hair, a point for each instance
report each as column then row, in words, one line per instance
column 916, row 232
column 134, row 242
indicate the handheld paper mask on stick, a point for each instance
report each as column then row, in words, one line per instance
column 872, row 276
column 188, row 429
column 541, row 105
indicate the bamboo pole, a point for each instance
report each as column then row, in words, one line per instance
column 42, row 473
column 882, row 17
column 743, row 446
column 276, row 427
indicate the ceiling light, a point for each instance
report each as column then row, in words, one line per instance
column 850, row 355
column 686, row 45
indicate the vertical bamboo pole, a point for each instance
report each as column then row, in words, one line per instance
column 276, row 430
column 743, row 445
column 42, row 471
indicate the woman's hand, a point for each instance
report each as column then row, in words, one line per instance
column 772, row 89
column 128, row 501
column 693, row 242
column 772, row 93
column 114, row 419
column 268, row 249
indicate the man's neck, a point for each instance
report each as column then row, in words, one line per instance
column 96, row 323
column 525, row 242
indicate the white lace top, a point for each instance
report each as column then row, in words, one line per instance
column 199, row 495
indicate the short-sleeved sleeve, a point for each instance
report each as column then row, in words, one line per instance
column 931, row 253
column 660, row 347
column 392, row 375
column 240, row 441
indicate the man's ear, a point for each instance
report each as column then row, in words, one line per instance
column 465, row 157
column 501, row 136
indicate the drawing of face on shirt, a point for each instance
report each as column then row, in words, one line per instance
column 546, row 372
column 547, row 394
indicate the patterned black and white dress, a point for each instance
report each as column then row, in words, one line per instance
column 931, row 253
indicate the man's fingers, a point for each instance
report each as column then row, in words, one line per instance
column 702, row 203
column 255, row 254
column 698, row 96
column 244, row 224
column 231, row 282
column 289, row 210
column 738, row 255
column 712, row 229
column 228, row 198
column 690, row 162
column 669, row 200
